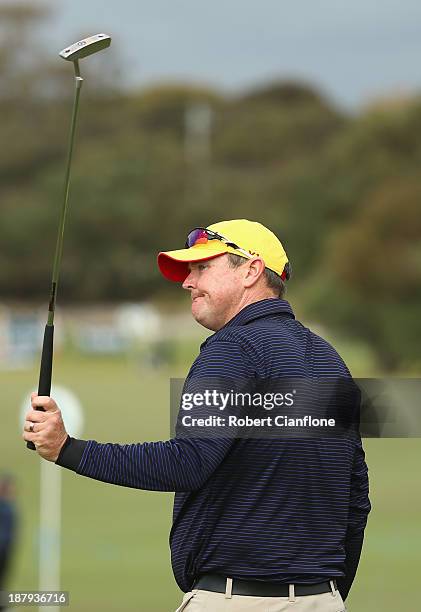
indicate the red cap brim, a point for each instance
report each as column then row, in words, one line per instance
column 176, row 269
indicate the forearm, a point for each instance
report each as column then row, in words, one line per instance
column 174, row 465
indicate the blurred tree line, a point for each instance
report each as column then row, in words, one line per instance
column 342, row 192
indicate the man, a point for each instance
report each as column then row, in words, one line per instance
column 260, row 522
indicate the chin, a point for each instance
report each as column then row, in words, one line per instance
column 203, row 320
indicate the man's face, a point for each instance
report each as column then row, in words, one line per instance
column 216, row 291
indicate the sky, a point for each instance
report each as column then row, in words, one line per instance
column 352, row 51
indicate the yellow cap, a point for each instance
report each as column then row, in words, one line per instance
column 251, row 236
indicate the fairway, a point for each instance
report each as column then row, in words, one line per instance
column 115, row 552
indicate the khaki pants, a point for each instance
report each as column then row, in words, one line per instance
column 201, row 601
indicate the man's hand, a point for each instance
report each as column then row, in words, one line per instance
column 45, row 429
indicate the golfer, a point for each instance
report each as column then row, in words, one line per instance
column 260, row 523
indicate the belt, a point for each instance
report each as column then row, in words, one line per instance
column 217, row 584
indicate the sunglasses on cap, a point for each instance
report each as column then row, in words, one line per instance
column 201, row 235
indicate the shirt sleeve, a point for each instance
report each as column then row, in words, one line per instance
column 357, row 519
column 179, row 464
column 353, row 552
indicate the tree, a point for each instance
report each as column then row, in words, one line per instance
column 372, row 274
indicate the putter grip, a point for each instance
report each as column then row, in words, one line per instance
column 44, row 384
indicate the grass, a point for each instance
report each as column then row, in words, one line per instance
column 115, row 552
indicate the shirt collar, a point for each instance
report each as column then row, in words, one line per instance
column 258, row 310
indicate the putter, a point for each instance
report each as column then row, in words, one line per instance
column 82, row 48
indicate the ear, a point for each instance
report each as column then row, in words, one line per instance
column 255, row 268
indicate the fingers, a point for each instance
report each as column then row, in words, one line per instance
column 43, row 401
column 34, row 395
column 30, row 426
column 36, row 416
column 34, row 424
column 29, row 437
column 39, row 416
column 45, row 428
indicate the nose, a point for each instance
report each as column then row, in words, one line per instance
column 189, row 281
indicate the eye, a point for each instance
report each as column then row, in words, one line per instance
column 202, row 266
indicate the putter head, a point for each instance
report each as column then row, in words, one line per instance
column 86, row 47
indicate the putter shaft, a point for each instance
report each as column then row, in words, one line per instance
column 59, row 244
column 46, row 367
column 78, row 50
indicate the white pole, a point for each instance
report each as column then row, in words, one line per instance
column 197, row 132
column 50, row 494
column 197, row 149
column 50, row 529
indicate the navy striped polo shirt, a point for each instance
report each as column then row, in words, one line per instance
column 277, row 510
